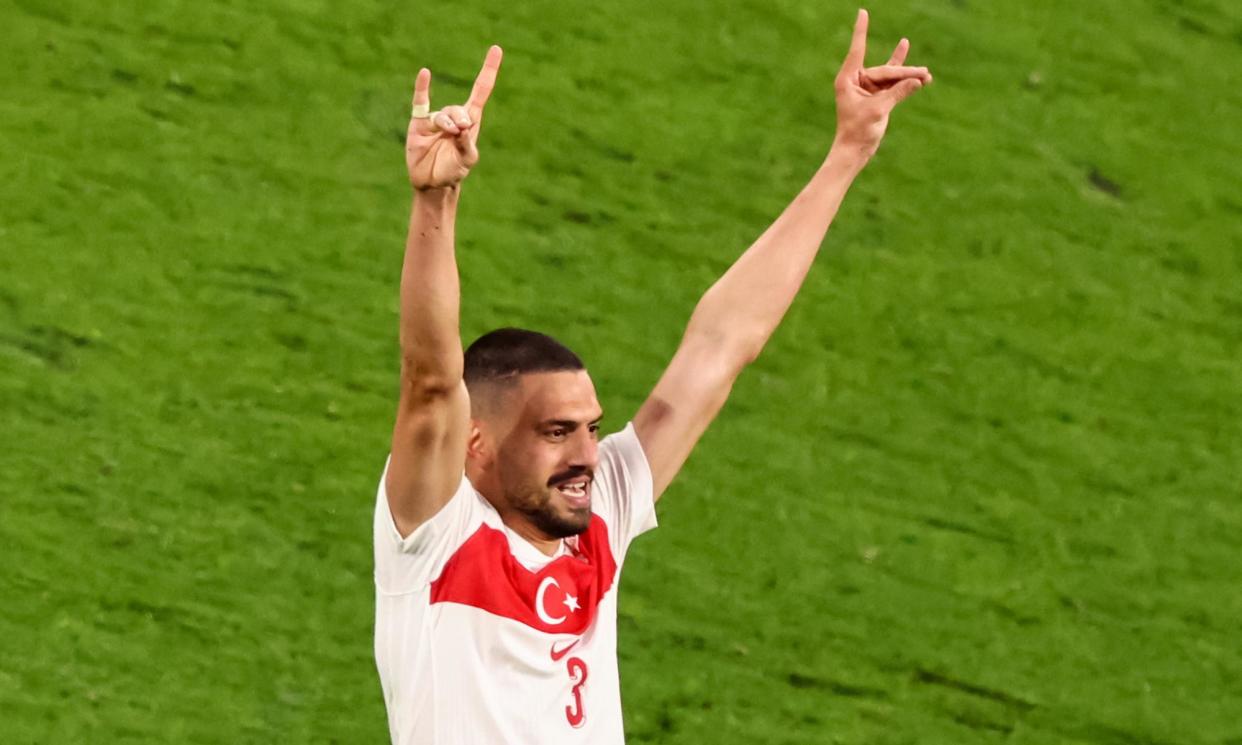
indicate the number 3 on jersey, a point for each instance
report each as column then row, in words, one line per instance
column 577, row 670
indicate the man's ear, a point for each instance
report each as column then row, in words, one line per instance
column 476, row 444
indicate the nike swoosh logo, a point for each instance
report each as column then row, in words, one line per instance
column 556, row 656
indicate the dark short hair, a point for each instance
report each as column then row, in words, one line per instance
column 504, row 354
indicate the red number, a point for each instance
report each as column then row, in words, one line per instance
column 577, row 670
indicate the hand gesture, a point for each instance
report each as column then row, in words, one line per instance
column 866, row 96
column 442, row 146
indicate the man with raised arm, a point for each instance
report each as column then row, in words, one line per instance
column 502, row 520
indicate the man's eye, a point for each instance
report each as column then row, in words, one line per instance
column 557, row 433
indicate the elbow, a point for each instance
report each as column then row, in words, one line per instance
column 423, row 380
column 748, row 344
column 740, row 348
column 734, row 348
column 732, row 335
column 423, row 397
column 429, row 389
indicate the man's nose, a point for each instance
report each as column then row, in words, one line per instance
column 586, row 451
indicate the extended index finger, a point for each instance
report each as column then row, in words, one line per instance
column 858, row 45
column 484, row 83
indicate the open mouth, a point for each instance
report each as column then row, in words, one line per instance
column 576, row 491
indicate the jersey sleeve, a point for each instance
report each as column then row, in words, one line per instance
column 624, row 495
column 409, row 564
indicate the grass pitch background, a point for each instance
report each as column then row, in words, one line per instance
column 983, row 485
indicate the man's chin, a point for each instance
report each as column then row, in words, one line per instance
column 566, row 522
column 578, row 520
column 581, row 517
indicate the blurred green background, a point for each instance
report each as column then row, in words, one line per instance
column 984, row 485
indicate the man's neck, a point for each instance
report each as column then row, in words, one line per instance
column 530, row 534
column 512, row 519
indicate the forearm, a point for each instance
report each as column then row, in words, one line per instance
column 744, row 307
column 431, row 349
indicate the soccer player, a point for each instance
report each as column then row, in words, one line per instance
column 502, row 519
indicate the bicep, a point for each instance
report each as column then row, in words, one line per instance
column 428, row 452
column 684, row 402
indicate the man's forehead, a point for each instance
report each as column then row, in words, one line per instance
column 568, row 394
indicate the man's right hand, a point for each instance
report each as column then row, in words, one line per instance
column 440, row 149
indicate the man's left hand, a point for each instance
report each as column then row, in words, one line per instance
column 867, row 95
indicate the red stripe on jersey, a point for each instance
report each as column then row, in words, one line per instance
column 561, row 598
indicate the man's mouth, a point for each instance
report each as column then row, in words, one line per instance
column 577, row 491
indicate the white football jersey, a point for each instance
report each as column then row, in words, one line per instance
column 481, row 639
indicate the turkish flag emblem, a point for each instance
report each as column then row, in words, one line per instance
column 561, row 598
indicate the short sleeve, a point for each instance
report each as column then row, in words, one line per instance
column 624, row 495
column 409, row 564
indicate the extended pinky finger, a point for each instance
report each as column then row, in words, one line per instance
column 900, row 52
column 422, row 94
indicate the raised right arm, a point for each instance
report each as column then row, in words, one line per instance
column 433, row 413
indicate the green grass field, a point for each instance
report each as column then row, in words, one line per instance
column 984, row 485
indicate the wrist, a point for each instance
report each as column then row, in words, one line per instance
column 437, row 196
column 849, row 157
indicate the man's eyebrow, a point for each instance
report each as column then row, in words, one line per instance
column 568, row 423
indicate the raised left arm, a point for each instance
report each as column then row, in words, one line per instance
column 734, row 319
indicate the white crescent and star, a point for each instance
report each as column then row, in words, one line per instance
column 571, row 602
